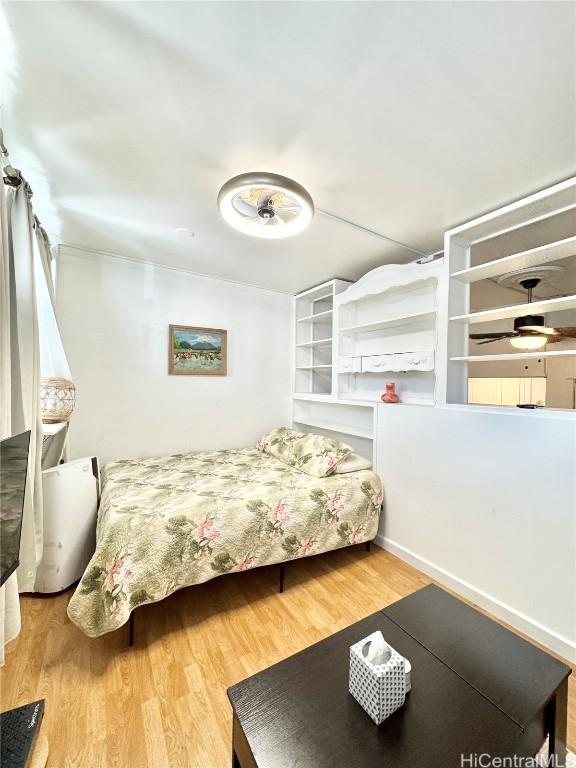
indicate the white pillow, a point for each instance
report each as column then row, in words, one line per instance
column 352, row 463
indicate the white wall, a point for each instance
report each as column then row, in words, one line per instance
column 485, row 502
column 114, row 316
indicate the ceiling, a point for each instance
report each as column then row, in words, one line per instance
column 406, row 117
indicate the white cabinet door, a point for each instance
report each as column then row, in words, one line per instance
column 349, row 365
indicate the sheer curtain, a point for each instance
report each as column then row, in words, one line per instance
column 9, row 607
column 53, row 361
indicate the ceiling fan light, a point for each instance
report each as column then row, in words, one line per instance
column 528, row 343
column 265, row 223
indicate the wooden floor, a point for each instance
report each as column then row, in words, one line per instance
column 164, row 703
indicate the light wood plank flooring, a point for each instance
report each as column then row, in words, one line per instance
column 163, row 704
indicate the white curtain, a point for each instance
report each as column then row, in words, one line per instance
column 25, row 348
column 21, row 382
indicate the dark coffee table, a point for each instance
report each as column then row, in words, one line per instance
column 476, row 689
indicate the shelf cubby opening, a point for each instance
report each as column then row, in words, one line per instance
column 416, row 387
column 418, row 334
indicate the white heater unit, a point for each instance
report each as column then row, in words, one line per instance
column 71, row 495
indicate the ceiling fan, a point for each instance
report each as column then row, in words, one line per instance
column 265, row 205
column 530, row 331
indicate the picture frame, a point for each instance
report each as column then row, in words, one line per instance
column 195, row 351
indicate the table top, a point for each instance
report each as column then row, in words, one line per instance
column 299, row 712
column 513, row 674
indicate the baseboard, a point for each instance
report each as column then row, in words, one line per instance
column 542, row 634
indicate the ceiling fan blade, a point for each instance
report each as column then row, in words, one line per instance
column 568, row 332
column 497, row 335
column 244, row 208
column 499, row 338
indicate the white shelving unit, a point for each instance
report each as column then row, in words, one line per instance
column 313, row 312
column 386, row 332
column 523, row 219
column 316, row 406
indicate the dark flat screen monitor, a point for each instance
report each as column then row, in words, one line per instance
column 13, row 470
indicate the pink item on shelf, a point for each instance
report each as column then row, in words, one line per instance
column 390, row 395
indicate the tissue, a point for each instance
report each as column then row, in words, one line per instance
column 376, row 650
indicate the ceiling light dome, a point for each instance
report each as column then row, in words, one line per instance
column 528, row 343
column 265, row 205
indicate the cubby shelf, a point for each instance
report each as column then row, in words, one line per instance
column 334, row 427
column 318, row 316
column 513, row 356
column 323, row 297
column 561, row 249
column 389, row 322
column 333, row 399
column 315, row 343
column 505, row 313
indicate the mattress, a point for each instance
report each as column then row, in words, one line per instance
column 172, row 521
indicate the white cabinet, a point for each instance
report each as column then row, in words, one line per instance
column 70, row 494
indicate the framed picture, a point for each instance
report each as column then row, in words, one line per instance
column 196, row 351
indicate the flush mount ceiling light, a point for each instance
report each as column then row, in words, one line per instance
column 265, row 205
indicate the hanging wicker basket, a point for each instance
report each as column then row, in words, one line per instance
column 57, row 399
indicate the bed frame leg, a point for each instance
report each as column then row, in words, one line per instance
column 281, row 577
column 131, row 630
column 367, row 546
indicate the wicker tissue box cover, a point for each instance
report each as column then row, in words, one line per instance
column 380, row 690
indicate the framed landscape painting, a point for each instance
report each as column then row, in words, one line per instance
column 197, row 351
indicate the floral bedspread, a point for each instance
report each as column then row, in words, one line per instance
column 172, row 521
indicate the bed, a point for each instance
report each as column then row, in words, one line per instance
column 172, row 521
